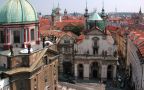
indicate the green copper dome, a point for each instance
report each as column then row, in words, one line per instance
column 17, row 11
column 94, row 17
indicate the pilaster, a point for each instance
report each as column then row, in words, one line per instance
column 75, row 71
column 114, row 71
column 104, row 72
column 86, row 71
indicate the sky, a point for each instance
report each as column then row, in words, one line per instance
column 45, row 6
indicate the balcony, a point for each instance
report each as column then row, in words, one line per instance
column 96, row 57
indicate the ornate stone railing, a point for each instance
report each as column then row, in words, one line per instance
column 100, row 57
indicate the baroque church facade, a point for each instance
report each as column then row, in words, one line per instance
column 93, row 54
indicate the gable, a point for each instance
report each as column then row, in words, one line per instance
column 65, row 38
column 95, row 32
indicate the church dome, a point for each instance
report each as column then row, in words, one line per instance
column 17, row 12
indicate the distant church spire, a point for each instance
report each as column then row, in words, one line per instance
column 65, row 12
column 86, row 16
column 140, row 12
column 103, row 4
column 86, row 11
column 103, row 14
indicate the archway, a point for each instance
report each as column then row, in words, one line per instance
column 109, row 72
column 94, row 70
column 67, row 68
column 80, row 71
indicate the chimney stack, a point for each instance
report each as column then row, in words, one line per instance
column 43, row 42
column 29, row 47
column 11, row 50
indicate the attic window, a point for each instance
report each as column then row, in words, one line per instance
column 104, row 37
column 67, row 41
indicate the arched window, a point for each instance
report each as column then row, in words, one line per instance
column 32, row 34
column 95, row 45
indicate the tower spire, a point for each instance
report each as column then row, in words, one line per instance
column 103, row 4
column 140, row 12
column 86, row 15
column 86, row 9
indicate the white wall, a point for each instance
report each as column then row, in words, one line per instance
column 4, row 83
column 87, row 44
column 3, row 60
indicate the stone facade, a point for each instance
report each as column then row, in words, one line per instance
column 95, row 56
column 34, row 71
column 92, row 55
column 66, row 50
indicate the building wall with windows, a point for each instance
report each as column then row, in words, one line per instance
column 95, row 56
column 35, row 71
column 66, row 50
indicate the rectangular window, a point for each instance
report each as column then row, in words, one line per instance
column 46, row 60
column 16, row 36
column 2, row 37
column 67, row 41
column 32, row 34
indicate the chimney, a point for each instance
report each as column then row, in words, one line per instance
column 29, row 47
column 11, row 50
column 43, row 42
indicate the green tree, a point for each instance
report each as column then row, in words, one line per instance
column 77, row 29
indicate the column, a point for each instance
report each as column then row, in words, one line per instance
column 24, row 38
column 8, row 37
column 86, row 71
column 104, row 72
column 114, row 71
column 37, row 36
column 28, row 35
column 24, row 35
column 75, row 71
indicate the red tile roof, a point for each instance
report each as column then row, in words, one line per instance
column 138, row 39
column 61, row 25
column 80, row 38
column 112, row 28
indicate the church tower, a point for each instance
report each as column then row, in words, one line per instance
column 19, row 24
column 140, row 15
column 65, row 12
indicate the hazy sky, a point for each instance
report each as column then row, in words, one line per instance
column 45, row 6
